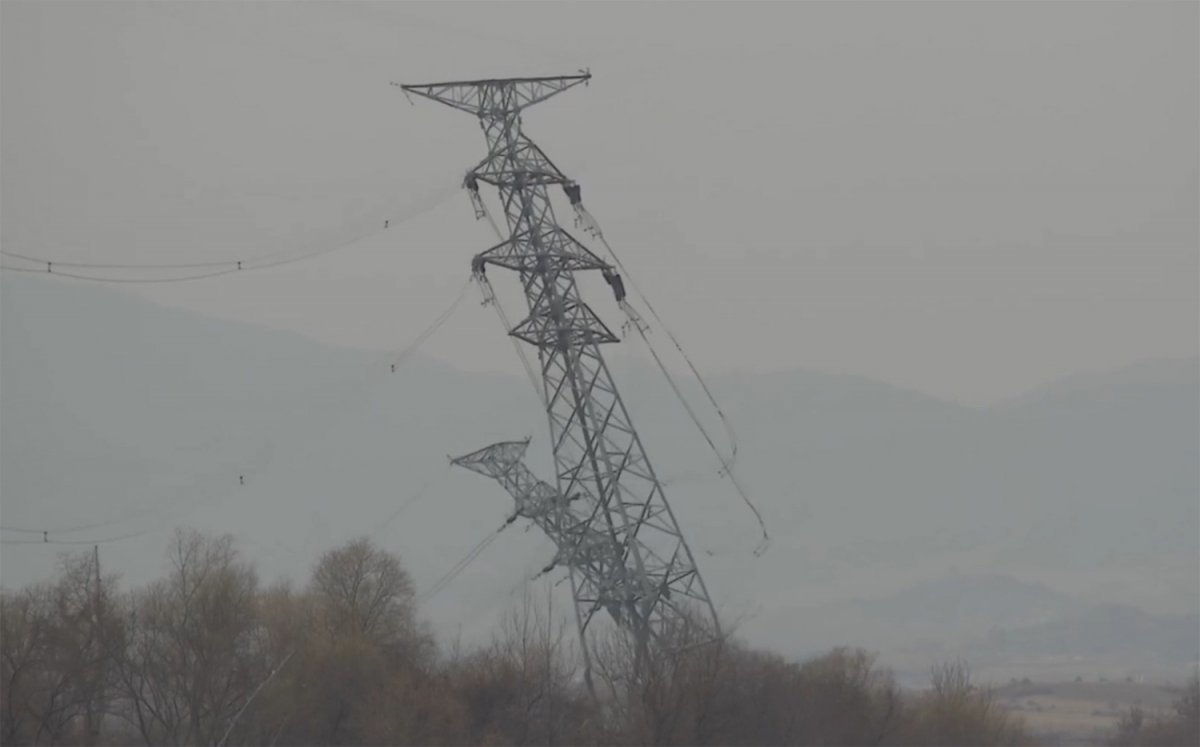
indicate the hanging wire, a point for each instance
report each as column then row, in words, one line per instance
column 398, row 359
column 486, row 604
column 592, row 226
column 104, row 541
column 50, row 266
column 98, row 279
column 726, row 463
column 726, row 466
column 421, row 493
column 636, row 322
column 164, row 514
column 114, row 266
column 490, row 299
column 725, row 422
column 253, row 695
column 448, row 577
column 263, row 456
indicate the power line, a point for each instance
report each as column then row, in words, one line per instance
column 421, row 493
column 487, row 604
column 635, row 322
column 448, row 577
column 114, row 266
column 228, row 267
column 163, row 513
column 97, row 279
column 266, row 450
column 726, row 466
column 490, row 299
column 253, row 695
column 104, row 541
column 399, row 358
column 733, row 445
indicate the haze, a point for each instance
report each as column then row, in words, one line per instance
column 969, row 201
column 941, row 262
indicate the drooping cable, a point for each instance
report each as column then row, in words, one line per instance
column 726, row 462
column 725, row 422
column 490, row 299
column 192, row 497
column 527, row 577
column 636, row 323
column 98, row 279
column 165, row 516
column 116, row 266
column 726, row 466
column 253, row 695
column 488, row 214
column 421, row 493
column 47, row 541
column 397, row 359
column 448, row 577
column 276, row 259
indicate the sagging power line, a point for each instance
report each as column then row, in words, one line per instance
column 635, row 321
column 213, row 269
column 256, row 464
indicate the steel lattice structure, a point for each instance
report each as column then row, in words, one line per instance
column 607, row 514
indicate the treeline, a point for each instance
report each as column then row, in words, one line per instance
column 1139, row 728
column 208, row 655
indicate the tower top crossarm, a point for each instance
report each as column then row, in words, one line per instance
column 495, row 97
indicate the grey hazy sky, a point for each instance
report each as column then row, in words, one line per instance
column 969, row 199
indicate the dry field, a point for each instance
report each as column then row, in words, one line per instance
column 1080, row 712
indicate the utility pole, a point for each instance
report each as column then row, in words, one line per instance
column 607, row 513
column 97, row 650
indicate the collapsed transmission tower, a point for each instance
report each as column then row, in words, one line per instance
column 610, row 521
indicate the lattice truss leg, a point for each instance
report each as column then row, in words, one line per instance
column 607, row 513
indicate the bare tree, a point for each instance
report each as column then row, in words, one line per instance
column 523, row 687
column 203, row 656
column 1137, row 728
column 30, row 689
column 363, row 590
column 195, row 650
column 664, row 694
column 956, row 711
column 363, row 668
column 57, row 642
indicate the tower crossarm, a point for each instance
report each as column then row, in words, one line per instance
column 534, row 498
column 536, row 167
column 580, row 543
column 495, row 97
column 517, row 253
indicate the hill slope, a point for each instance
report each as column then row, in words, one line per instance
column 118, row 412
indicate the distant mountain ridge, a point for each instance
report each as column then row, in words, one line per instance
column 1099, row 630
column 116, row 410
column 959, row 600
column 1176, row 373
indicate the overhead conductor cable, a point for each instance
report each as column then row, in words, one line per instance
column 215, row 268
column 50, row 536
column 590, row 224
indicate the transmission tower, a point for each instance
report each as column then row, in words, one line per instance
column 607, row 514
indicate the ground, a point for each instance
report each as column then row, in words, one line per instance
column 1081, row 712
